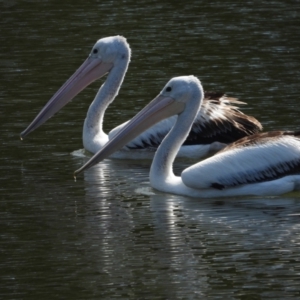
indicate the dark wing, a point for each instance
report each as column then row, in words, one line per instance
column 219, row 120
column 278, row 169
column 259, row 158
column 260, row 139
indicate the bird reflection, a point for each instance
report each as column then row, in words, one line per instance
column 133, row 227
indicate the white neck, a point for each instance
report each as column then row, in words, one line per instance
column 161, row 172
column 93, row 136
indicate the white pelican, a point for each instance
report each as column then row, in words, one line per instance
column 217, row 124
column 262, row 164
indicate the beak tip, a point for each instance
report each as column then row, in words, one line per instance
column 75, row 174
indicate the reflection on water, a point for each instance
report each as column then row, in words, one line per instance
column 109, row 234
column 189, row 244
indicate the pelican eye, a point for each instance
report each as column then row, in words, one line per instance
column 95, row 51
column 168, row 89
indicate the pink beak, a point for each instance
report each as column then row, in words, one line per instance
column 89, row 71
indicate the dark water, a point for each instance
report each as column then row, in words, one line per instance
column 109, row 235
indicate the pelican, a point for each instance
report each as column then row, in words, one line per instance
column 263, row 164
column 217, row 124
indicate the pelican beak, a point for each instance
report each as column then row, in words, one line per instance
column 158, row 109
column 92, row 69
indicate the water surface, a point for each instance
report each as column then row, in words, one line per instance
column 109, row 235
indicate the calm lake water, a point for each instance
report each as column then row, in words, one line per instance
column 109, row 235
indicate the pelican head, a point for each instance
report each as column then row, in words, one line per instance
column 105, row 54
